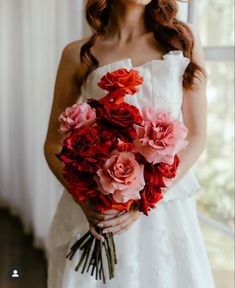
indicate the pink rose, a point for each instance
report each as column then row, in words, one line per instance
column 122, row 176
column 76, row 116
column 160, row 136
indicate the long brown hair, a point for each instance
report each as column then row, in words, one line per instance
column 160, row 18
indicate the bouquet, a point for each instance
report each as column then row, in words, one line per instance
column 119, row 157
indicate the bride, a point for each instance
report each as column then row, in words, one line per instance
column 165, row 249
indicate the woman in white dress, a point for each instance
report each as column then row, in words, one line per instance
column 165, row 249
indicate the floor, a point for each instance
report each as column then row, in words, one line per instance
column 17, row 253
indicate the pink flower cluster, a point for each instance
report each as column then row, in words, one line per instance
column 75, row 117
column 158, row 137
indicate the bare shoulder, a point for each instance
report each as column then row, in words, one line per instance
column 198, row 53
column 71, row 52
column 67, row 90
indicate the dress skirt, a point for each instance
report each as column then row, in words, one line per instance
column 162, row 250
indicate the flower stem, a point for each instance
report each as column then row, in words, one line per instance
column 107, row 255
column 89, row 245
column 77, row 244
column 110, row 246
column 88, row 250
column 114, row 249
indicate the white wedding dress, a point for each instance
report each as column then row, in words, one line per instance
column 163, row 250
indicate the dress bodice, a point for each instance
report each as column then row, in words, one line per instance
column 162, row 85
column 162, row 88
column 166, row 248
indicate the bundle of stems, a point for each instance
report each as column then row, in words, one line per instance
column 92, row 254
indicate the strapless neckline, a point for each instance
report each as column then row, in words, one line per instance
column 167, row 56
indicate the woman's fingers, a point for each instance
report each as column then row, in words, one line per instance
column 116, row 225
column 124, row 229
column 119, row 227
column 115, row 221
column 111, row 212
column 105, row 216
column 94, row 217
column 91, row 211
column 120, row 222
column 93, row 220
column 95, row 233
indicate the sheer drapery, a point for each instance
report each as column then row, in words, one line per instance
column 32, row 36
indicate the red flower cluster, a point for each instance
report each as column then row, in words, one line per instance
column 154, row 175
column 101, row 160
column 121, row 79
column 119, row 83
column 117, row 156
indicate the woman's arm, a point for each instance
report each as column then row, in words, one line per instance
column 66, row 93
column 194, row 111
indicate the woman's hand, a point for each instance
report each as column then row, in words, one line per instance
column 120, row 223
column 94, row 217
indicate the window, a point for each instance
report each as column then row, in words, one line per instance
column 215, row 169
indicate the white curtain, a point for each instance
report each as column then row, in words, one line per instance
column 32, row 36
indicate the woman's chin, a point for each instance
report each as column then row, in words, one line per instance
column 140, row 2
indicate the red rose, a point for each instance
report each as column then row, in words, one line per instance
column 80, row 185
column 99, row 107
column 81, row 140
column 149, row 197
column 84, row 150
column 106, row 202
column 107, row 133
column 152, row 192
column 125, row 146
column 121, row 79
column 152, row 176
column 121, row 115
column 122, row 206
column 168, row 171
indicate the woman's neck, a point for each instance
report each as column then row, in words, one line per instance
column 127, row 22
